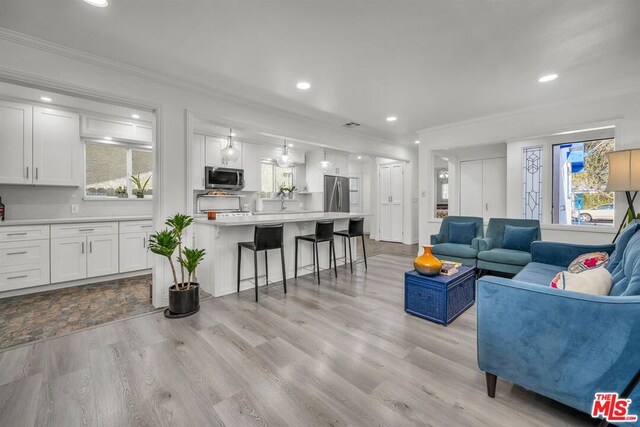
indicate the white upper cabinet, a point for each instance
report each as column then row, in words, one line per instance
column 56, row 147
column 15, row 143
column 252, row 159
column 315, row 177
column 99, row 126
column 197, row 162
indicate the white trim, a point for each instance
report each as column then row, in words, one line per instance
column 117, row 199
column 580, row 228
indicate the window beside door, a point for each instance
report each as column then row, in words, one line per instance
column 579, row 179
column 109, row 167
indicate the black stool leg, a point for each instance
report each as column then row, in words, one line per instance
column 344, row 248
column 284, row 270
column 239, row 262
column 350, row 257
column 266, row 268
column 364, row 252
column 315, row 245
column 255, row 271
column 335, row 263
column 296, row 262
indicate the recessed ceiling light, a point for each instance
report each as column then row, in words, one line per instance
column 547, row 78
column 135, row 116
column 303, row 85
column 417, row 141
column 232, row 134
column 359, row 157
column 289, row 144
column 45, row 99
column 98, row 3
column 392, row 118
column 108, row 138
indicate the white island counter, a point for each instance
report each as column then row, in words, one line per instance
column 220, row 237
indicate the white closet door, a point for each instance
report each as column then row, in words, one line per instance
column 471, row 179
column 396, row 202
column 16, row 143
column 384, row 220
column 494, row 188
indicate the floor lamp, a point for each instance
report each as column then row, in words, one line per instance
column 624, row 175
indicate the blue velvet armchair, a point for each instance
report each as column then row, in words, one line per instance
column 445, row 249
column 492, row 253
column 561, row 344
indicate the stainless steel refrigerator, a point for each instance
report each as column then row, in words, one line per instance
column 336, row 194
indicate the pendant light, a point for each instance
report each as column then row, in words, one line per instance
column 283, row 159
column 324, row 164
column 230, row 153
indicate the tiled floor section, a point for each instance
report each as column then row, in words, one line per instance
column 29, row 318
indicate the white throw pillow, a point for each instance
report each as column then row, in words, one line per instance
column 597, row 281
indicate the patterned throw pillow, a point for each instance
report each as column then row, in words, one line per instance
column 588, row 262
column 597, row 281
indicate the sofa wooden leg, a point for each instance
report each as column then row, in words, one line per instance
column 491, row 384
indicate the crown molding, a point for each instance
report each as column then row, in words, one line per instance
column 167, row 80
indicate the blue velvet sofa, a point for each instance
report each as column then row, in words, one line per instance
column 561, row 344
column 464, row 253
column 492, row 255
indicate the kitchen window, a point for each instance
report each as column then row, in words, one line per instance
column 110, row 166
column 274, row 176
column 580, row 171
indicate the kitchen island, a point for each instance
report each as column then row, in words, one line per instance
column 220, row 237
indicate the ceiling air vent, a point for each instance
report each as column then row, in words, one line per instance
column 351, row 125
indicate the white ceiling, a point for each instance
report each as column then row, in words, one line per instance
column 428, row 62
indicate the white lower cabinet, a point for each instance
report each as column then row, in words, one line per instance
column 24, row 264
column 134, row 255
column 90, row 250
column 68, row 259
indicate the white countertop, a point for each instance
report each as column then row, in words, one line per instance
column 279, row 217
column 45, row 221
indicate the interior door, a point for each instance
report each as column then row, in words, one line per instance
column 56, row 147
column 396, row 202
column 68, row 259
column 103, row 255
column 494, row 187
column 16, row 143
column 471, row 184
column 384, row 216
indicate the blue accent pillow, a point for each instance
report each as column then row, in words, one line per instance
column 462, row 232
column 519, row 238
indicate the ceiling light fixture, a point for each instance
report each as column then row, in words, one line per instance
column 324, row 164
column 359, row 157
column 547, row 78
column 108, row 138
column 135, row 116
column 303, row 85
column 230, row 153
column 98, row 3
column 45, row 99
column 283, row 160
column 392, row 118
column 417, row 141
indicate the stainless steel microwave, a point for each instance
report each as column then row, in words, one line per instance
column 223, row 178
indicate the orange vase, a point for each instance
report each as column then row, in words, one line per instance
column 427, row 264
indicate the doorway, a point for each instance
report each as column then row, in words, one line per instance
column 391, row 208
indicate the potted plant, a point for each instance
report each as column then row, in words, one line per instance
column 184, row 296
column 121, row 192
column 140, row 186
column 284, row 190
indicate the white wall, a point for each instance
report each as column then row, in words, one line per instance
column 38, row 63
column 621, row 109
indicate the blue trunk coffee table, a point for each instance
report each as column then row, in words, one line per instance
column 439, row 298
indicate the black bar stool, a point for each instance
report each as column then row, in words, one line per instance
column 265, row 237
column 356, row 229
column 324, row 233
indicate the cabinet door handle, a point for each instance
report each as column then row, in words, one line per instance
column 36, row 173
column 27, row 172
column 486, row 206
column 17, row 277
column 86, row 229
column 90, row 247
column 82, row 247
column 17, row 253
column 144, row 242
column 16, row 234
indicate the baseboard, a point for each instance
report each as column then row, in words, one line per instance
column 88, row 281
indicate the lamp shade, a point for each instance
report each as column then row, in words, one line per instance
column 624, row 170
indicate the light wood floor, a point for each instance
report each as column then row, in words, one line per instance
column 341, row 353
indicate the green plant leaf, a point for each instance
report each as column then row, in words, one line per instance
column 191, row 258
column 163, row 243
